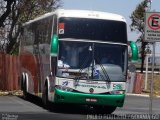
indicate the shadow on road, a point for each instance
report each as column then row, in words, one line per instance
column 60, row 108
column 73, row 109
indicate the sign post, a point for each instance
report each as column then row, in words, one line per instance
column 152, row 34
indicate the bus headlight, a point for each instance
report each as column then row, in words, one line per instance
column 64, row 88
column 117, row 92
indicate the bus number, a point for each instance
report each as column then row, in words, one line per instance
column 117, row 86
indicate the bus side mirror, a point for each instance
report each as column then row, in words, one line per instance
column 54, row 46
column 134, row 50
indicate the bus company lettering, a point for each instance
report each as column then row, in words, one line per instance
column 93, row 86
column 91, row 82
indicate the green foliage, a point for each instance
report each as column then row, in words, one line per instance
column 29, row 9
column 137, row 18
column 15, row 12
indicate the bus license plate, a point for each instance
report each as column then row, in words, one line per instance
column 91, row 100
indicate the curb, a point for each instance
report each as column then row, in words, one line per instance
column 15, row 93
column 141, row 95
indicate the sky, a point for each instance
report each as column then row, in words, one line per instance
column 122, row 7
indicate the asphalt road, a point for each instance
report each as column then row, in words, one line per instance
column 16, row 108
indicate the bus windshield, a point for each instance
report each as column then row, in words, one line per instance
column 92, row 29
column 96, row 61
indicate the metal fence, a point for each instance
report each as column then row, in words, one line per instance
column 9, row 72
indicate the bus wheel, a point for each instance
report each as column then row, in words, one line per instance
column 105, row 109
column 45, row 97
column 21, row 82
column 25, row 94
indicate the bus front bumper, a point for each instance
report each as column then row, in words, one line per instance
column 61, row 96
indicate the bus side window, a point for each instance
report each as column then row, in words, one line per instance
column 55, row 25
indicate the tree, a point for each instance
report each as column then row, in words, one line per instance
column 15, row 12
column 7, row 12
column 137, row 18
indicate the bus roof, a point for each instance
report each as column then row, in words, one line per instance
column 89, row 14
column 81, row 14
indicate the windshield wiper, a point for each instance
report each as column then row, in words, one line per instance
column 104, row 71
column 93, row 66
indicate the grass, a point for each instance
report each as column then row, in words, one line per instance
column 156, row 84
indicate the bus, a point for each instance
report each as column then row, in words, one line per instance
column 61, row 56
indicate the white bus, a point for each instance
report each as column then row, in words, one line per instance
column 61, row 58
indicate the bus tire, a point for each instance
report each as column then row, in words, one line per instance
column 105, row 109
column 21, row 82
column 25, row 93
column 45, row 96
